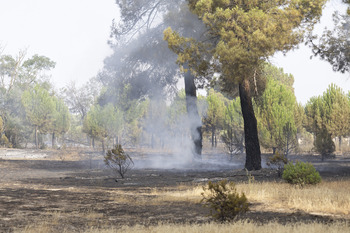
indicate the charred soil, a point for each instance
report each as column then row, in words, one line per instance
column 79, row 192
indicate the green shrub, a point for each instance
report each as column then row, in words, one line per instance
column 301, row 174
column 224, row 201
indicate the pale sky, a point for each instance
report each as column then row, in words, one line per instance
column 74, row 34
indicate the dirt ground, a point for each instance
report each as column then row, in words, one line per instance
column 74, row 190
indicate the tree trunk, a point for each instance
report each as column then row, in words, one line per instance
column 252, row 146
column 103, row 146
column 53, row 140
column 216, row 141
column 340, row 143
column 274, row 150
column 192, row 112
column 36, row 138
column 212, row 137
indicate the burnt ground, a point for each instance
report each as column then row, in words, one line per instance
column 75, row 193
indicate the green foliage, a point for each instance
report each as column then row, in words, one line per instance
column 301, row 174
column 224, row 201
column 246, row 33
column 119, row 161
column 39, row 107
column 277, row 162
column 61, row 119
column 275, row 115
column 337, row 111
column 324, row 143
column 328, row 116
column 233, row 129
column 241, row 36
column 334, row 45
column 213, row 121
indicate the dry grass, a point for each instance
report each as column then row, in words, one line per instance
column 157, row 196
column 247, row 227
column 327, row 198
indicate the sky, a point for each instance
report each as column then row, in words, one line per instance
column 74, row 34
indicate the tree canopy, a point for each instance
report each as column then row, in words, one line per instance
column 241, row 36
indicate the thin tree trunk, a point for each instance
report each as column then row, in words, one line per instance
column 192, row 112
column 103, row 145
column 216, row 140
column 340, row 143
column 36, row 138
column 252, row 146
column 212, row 137
column 53, row 140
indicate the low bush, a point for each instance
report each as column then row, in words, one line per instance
column 119, row 161
column 224, row 201
column 301, row 174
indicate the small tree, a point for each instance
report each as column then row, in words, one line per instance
column 277, row 162
column 39, row 107
column 224, row 201
column 324, row 143
column 233, row 135
column 119, row 161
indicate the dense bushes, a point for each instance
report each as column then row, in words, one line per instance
column 301, row 174
column 224, row 201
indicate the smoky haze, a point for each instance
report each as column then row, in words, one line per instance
column 143, row 68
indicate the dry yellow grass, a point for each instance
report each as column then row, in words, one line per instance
column 247, row 227
column 328, row 198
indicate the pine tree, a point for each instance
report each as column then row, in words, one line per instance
column 241, row 36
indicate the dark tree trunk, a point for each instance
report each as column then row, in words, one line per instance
column 252, row 146
column 192, row 112
column 53, row 139
column 340, row 143
column 212, row 137
column 274, row 150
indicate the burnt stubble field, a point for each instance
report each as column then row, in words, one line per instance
column 73, row 191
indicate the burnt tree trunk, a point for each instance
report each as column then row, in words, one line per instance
column 252, row 146
column 53, row 140
column 212, row 137
column 192, row 112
